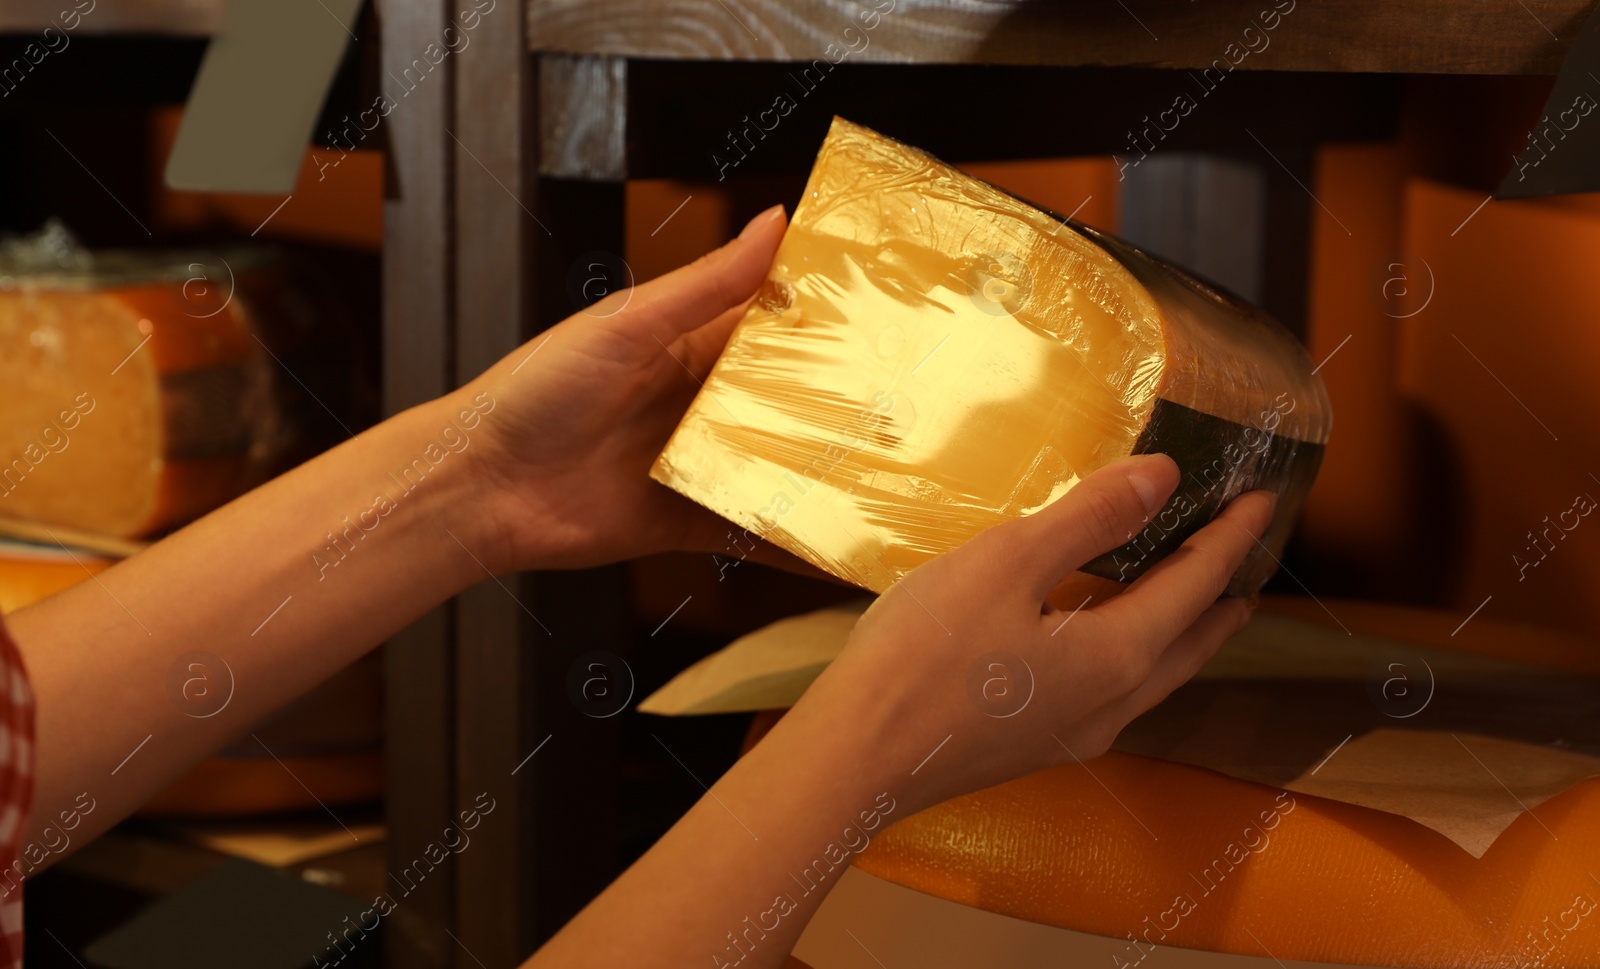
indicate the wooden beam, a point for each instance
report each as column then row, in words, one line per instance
column 497, row 652
column 582, row 112
column 1426, row 36
column 554, row 839
column 418, row 349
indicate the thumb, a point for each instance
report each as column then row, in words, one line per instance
column 692, row 295
column 1104, row 510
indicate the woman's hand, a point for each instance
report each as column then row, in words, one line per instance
column 581, row 411
column 964, row 663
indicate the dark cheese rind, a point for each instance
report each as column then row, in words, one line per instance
column 1218, row 460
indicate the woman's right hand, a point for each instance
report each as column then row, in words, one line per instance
column 900, row 722
column 964, row 675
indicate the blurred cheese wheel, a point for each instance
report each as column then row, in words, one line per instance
column 331, row 739
column 1485, row 635
column 135, row 396
column 228, row 786
column 1181, row 856
column 325, row 749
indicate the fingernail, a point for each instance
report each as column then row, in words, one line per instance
column 1149, row 479
column 761, row 220
column 1271, row 498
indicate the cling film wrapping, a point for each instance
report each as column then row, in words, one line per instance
column 930, row 356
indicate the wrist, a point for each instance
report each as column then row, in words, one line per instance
column 435, row 459
column 814, row 793
column 847, row 737
column 906, row 734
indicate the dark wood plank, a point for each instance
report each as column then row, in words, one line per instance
column 1428, row 36
column 683, row 115
column 574, row 828
column 496, row 652
column 1286, row 234
column 418, row 277
column 104, row 74
column 576, row 818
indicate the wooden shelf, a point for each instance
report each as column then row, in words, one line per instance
column 1422, row 37
column 175, row 18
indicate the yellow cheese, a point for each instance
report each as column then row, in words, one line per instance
column 930, row 356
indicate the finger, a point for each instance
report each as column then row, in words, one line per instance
column 1193, row 648
column 699, row 349
column 686, row 298
column 1101, row 512
column 1167, row 599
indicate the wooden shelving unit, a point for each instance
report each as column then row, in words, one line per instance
column 564, row 100
column 510, row 163
column 1429, row 37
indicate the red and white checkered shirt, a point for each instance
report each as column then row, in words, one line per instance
column 16, row 792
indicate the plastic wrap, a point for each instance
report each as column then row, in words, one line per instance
column 930, row 356
column 135, row 392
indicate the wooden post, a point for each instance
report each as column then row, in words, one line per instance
column 418, row 286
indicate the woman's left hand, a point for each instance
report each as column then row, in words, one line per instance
column 580, row 412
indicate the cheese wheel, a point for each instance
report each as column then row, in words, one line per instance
column 28, row 575
column 1166, row 854
column 235, row 786
column 328, row 741
column 930, row 356
column 135, row 399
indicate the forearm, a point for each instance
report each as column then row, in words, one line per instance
column 285, row 586
column 738, row 877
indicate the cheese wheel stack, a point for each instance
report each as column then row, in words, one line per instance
column 136, row 395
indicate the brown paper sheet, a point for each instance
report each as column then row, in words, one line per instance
column 1459, row 743
column 1438, row 779
column 279, row 842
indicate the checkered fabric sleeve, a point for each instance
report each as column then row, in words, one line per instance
column 16, row 791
